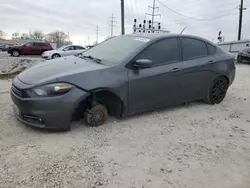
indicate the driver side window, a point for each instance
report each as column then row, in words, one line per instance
column 29, row 44
column 161, row 52
column 69, row 48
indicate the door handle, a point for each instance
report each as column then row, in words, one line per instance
column 176, row 69
column 211, row 62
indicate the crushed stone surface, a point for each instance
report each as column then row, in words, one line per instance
column 191, row 146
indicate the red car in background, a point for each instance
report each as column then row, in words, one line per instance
column 29, row 48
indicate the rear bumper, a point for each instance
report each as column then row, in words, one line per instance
column 232, row 78
column 48, row 112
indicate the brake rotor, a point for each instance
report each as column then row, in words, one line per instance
column 96, row 116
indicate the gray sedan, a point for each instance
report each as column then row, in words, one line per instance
column 63, row 51
column 122, row 76
column 244, row 56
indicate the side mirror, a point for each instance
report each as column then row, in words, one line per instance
column 143, row 63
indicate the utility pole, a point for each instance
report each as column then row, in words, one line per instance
column 97, row 33
column 112, row 24
column 122, row 18
column 88, row 41
column 153, row 15
column 240, row 19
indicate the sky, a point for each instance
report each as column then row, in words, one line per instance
column 80, row 18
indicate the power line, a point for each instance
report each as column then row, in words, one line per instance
column 197, row 19
column 190, row 6
column 112, row 24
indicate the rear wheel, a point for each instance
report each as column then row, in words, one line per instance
column 96, row 116
column 217, row 91
column 15, row 53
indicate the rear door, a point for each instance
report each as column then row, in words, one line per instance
column 79, row 49
column 45, row 47
column 159, row 85
column 197, row 68
column 37, row 49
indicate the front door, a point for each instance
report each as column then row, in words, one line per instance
column 27, row 48
column 69, row 50
column 159, row 85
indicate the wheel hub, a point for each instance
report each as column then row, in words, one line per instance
column 97, row 115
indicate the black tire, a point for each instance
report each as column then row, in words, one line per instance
column 217, row 90
column 15, row 53
column 96, row 116
column 55, row 56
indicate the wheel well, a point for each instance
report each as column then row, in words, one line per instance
column 111, row 101
column 56, row 54
column 224, row 76
column 15, row 50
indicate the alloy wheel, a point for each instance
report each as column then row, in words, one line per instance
column 55, row 56
column 15, row 53
column 219, row 90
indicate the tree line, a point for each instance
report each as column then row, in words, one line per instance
column 58, row 37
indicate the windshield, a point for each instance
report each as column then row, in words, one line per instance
column 24, row 44
column 61, row 48
column 114, row 50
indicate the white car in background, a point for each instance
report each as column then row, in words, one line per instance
column 63, row 51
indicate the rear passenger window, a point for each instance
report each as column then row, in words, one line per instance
column 211, row 49
column 193, row 48
column 79, row 48
column 40, row 44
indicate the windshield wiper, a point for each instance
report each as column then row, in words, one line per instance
column 92, row 58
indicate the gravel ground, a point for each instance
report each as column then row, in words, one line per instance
column 191, row 146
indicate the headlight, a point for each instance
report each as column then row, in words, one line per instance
column 49, row 90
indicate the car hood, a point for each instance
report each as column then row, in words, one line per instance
column 52, row 70
column 15, row 46
column 51, row 52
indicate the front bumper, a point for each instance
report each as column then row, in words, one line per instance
column 46, row 56
column 48, row 112
column 9, row 51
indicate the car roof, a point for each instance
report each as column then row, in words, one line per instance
column 156, row 36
